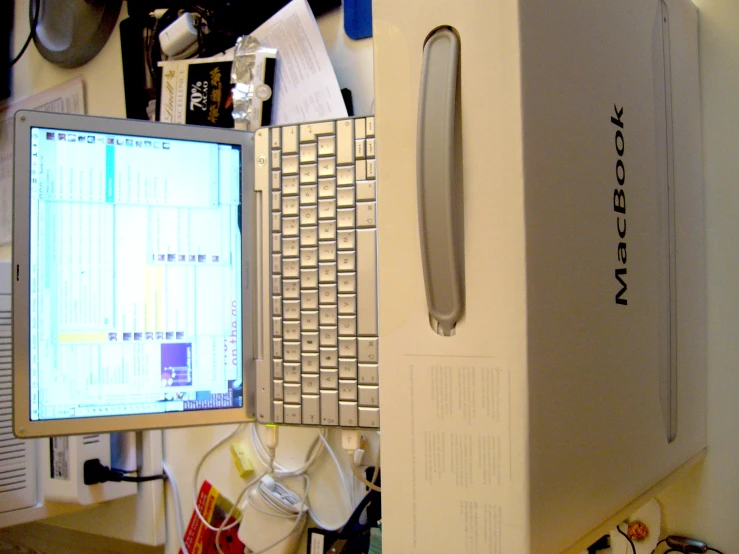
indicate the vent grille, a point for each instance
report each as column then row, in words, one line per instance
column 16, row 478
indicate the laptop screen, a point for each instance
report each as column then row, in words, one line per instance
column 135, row 275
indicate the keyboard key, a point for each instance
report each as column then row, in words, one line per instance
column 370, row 126
column 291, row 289
column 347, row 368
column 290, row 246
column 292, row 414
column 291, row 330
column 310, row 384
column 345, row 197
column 369, row 417
column 347, row 326
column 291, row 309
column 277, row 326
column 308, row 257
column 277, row 411
column 347, row 304
column 348, row 347
column 290, row 165
column 367, row 282
column 277, row 390
column 309, row 321
column 292, row 393
column 309, row 235
column 276, row 263
column 329, row 407
column 329, row 379
column 277, row 347
column 327, row 230
column 290, row 205
column 328, row 336
column 309, row 131
column 345, row 218
column 327, row 315
column 309, row 278
column 347, row 282
column 328, row 358
column 308, row 153
column 311, row 364
column 290, row 184
column 276, row 201
column 369, row 374
column 347, row 390
column 346, row 261
column 276, row 284
column 290, row 268
column 311, row 409
column 348, row 414
column 366, row 214
column 277, row 305
column 308, row 194
column 276, row 180
column 367, row 349
column 308, row 215
column 326, row 188
column 289, row 139
column 327, row 209
column 275, row 138
column 277, row 369
column 309, row 299
column 327, row 294
column 371, row 174
column 308, row 174
column 276, row 222
column 344, row 142
column 275, row 159
column 326, row 167
column 345, row 175
column 360, row 170
column 326, row 146
column 291, row 372
column 359, row 148
column 346, row 239
column 370, row 149
column 276, row 242
column 310, row 342
column 327, row 272
column 326, row 251
column 359, row 128
column 291, row 352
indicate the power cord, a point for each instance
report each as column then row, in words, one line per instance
column 628, row 538
column 685, row 545
column 94, row 472
column 33, row 16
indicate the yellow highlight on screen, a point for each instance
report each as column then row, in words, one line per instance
column 82, row 337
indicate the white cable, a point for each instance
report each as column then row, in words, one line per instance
column 362, row 478
column 314, row 452
column 313, row 515
column 195, row 483
column 177, row 507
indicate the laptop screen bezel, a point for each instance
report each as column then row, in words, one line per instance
column 23, row 425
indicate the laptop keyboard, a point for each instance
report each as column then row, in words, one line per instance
column 324, row 274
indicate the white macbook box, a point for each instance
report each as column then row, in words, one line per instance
column 541, row 267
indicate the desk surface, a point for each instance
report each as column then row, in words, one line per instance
column 705, row 504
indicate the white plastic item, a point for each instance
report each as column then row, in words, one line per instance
column 259, row 530
column 179, row 35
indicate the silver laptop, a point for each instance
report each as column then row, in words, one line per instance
column 168, row 275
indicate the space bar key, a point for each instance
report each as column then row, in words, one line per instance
column 367, row 282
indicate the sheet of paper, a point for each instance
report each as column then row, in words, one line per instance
column 68, row 97
column 306, row 88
